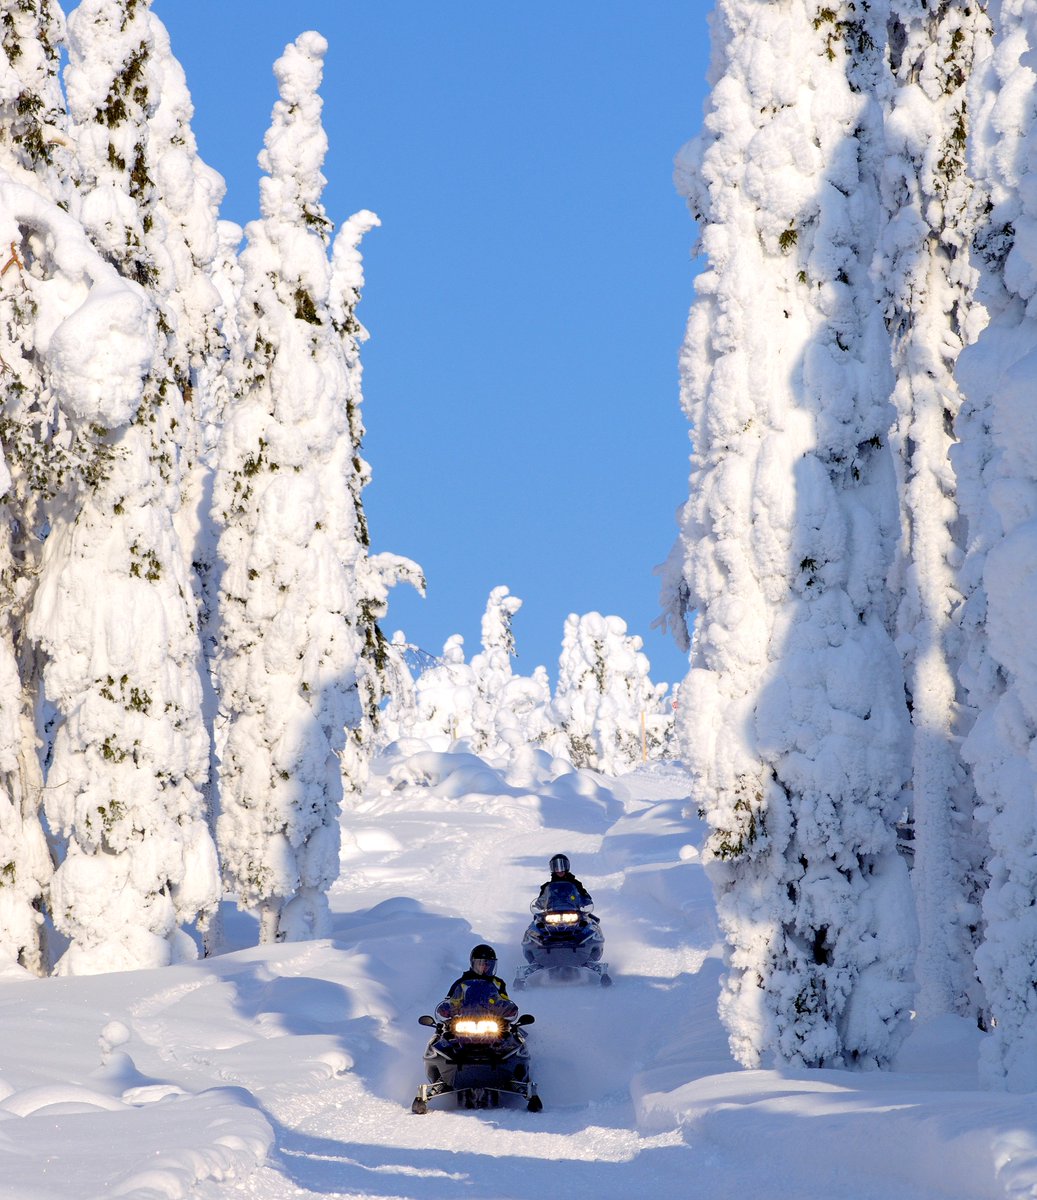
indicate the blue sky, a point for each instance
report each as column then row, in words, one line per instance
column 526, row 293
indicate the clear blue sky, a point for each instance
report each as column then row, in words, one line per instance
column 526, row 294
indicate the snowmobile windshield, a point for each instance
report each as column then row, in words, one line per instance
column 480, row 995
column 560, row 896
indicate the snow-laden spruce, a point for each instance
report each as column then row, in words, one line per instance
column 188, row 252
column 792, row 717
column 50, row 276
column 509, row 711
column 34, row 146
column 286, row 496
column 492, row 667
column 376, row 574
column 40, row 449
column 189, row 255
column 924, row 266
column 607, row 712
column 128, row 750
column 996, row 464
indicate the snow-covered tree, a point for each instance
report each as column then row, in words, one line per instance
column 792, row 717
column 606, row 709
column 996, row 462
column 286, row 495
column 193, row 258
column 39, row 449
column 925, row 267
column 524, row 712
column 379, row 672
column 372, row 580
column 184, row 259
column 445, row 695
column 492, row 666
column 376, row 574
column 33, row 126
column 509, row 710
column 128, row 750
column 401, row 704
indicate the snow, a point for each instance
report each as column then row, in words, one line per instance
column 285, row 1072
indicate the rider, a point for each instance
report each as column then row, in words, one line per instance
column 482, row 969
column 560, row 873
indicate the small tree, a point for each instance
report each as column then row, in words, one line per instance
column 445, row 695
column 492, row 668
column 524, row 711
column 606, row 706
column 375, row 574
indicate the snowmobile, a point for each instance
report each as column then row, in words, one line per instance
column 478, row 1053
column 564, row 938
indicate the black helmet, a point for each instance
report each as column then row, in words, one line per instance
column 559, row 865
column 487, row 956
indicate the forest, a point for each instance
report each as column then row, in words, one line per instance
column 194, row 680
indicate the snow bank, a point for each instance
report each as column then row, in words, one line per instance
column 156, row 1149
column 871, row 1132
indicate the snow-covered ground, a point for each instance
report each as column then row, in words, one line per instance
column 288, row 1072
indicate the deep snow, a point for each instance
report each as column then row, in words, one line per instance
column 287, row 1072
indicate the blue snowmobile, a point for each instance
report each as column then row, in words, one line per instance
column 564, row 938
column 478, row 1053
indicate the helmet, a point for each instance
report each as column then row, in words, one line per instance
column 487, row 957
column 559, row 865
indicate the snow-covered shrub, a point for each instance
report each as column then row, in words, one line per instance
column 482, row 702
column 606, row 713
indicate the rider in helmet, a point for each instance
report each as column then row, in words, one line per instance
column 482, row 967
column 560, row 873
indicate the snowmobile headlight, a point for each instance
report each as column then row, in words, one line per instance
column 562, row 918
column 481, row 1027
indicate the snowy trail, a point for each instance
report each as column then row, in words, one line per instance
column 489, row 856
column 286, row 1073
